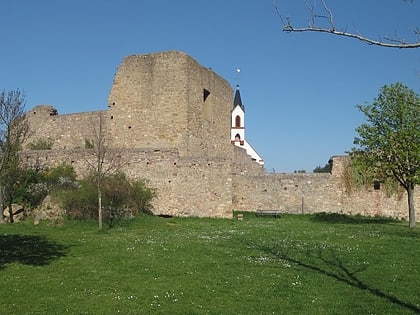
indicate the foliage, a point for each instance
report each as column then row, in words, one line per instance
column 358, row 175
column 388, row 145
column 60, row 177
column 120, row 197
column 41, row 144
column 80, row 202
column 13, row 131
column 34, row 184
column 126, row 198
column 325, row 169
column 31, row 188
column 89, row 144
column 312, row 264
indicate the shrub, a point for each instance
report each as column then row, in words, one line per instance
column 31, row 188
column 89, row 144
column 125, row 198
column 121, row 198
column 60, row 177
column 41, row 144
column 81, row 202
column 35, row 184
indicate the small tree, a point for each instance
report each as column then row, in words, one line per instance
column 106, row 161
column 13, row 131
column 389, row 142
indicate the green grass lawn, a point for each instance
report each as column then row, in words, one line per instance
column 319, row 264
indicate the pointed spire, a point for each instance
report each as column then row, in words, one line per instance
column 237, row 101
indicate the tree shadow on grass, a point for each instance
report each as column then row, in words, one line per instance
column 29, row 250
column 327, row 262
column 347, row 219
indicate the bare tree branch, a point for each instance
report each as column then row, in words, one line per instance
column 331, row 29
column 107, row 160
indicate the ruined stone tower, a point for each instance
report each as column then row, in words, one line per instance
column 171, row 117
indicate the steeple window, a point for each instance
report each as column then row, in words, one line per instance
column 238, row 121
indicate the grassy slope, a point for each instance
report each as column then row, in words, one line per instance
column 324, row 264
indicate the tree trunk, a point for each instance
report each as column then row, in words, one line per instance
column 11, row 220
column 1, row 204
column 411, row 211
column 99, row 208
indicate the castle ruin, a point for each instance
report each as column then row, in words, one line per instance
column 178, row 124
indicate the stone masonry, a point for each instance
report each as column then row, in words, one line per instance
column 169, row 119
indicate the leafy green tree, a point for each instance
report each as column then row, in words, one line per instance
column 33, row 184
column 31, row 188
column 13, row 131
column 389, row 142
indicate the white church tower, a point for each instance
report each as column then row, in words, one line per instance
column 237, row 130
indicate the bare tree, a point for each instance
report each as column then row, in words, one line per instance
column 13, row 131
column 107, row 161
column 327, row 15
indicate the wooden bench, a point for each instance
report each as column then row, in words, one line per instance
column 272, row 213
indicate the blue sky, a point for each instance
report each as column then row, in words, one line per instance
column 299, row 90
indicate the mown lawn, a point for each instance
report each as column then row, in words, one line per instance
column 319, row 264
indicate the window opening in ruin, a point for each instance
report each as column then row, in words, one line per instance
column 376, row 185
column 207, row 108
column 206, row 94
column 237, row 121
column 112, row 117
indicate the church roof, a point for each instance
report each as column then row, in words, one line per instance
column 237, row 101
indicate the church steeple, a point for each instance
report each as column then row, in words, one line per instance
column 237, row 100
column 237, row 129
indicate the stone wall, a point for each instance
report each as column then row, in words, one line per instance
column 184, row 186
column 311, row 193
column 170, row 118
column 65, row 131
column 169, row 122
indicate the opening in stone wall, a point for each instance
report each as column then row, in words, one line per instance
column 206, row 94
column 207, row 108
